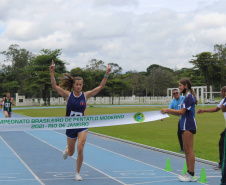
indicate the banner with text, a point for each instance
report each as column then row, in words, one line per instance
column 54, row 123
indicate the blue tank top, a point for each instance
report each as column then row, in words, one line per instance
column 76, row 106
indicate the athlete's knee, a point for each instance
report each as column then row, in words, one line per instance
column 70, row 152
column 80, row 148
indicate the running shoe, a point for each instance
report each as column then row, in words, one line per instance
column 78, row 177
column 65, row 154
column 187, row 178
column 182, row 176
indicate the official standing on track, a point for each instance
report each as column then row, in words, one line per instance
column 187, row 126
column 76, row 105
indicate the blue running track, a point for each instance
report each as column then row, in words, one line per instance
column 35, row 157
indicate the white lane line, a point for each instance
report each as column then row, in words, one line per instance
column 153, row 182
column 130, row 159
column 29, row 169
column 136, row 160
column 75, row 158
column 127, row 171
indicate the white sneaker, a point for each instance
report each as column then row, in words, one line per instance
column 187, row 178
column 182, row 176
column 78, row 177
column 65, row 154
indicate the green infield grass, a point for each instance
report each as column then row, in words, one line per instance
column 160, row 134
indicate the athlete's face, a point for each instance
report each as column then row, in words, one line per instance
column 7, row 95
column 78, row 85
column 181, row 87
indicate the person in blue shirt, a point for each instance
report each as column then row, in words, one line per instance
column 187, row 126
column 76, row 106
column 175, row 105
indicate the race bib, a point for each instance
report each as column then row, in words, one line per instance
column 7, row 105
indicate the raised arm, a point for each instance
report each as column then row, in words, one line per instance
column 58, row 89
column 95, row 91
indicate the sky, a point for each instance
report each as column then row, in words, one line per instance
column 132, row 33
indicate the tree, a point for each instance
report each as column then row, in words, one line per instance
column 96, row 65
column 39, row 78
column 220, row 54
column 19, row 60
column 193, row 74
column 115, row 86
column 93, row 75
column 209, row 67
column 159, row 79
column 155, row 66
column 115, row 69
column 137, row 83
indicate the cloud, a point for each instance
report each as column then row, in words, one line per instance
column 116, row 3
column 132, row 33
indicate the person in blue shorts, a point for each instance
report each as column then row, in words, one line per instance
column 187, row 126
column 76, row 106
column 221, row 141
column 174, row 104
